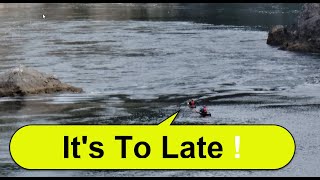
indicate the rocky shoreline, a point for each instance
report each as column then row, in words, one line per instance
column 303, row 36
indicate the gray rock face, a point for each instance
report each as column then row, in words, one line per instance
column 303, row 36
column 22, row 81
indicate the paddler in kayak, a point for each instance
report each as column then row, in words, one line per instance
column 192, row 104
column 204, row 112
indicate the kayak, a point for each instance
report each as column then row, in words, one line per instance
column 205, row 115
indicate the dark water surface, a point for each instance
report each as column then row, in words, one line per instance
column 140, row 63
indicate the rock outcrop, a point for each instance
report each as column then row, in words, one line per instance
column 22, row 81
column 303, row 36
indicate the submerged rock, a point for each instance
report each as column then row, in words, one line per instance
column 303, row 36
column 22, row 81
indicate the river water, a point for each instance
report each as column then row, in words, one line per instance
column 139, row 63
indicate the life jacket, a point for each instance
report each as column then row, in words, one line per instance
column 205, row 110
column 192, row 103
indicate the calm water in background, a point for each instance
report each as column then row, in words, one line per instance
column 139, row 63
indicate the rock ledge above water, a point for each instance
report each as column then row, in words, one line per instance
column 21, row 81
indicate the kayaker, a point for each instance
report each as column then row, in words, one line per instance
column 192, row 104
column 204, row 112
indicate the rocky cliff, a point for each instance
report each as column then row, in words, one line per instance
column 303, row 36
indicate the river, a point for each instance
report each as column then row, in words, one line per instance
column 139, row 63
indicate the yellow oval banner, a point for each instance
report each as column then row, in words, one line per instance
column 162, row 146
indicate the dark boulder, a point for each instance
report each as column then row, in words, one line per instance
column 277, row 36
